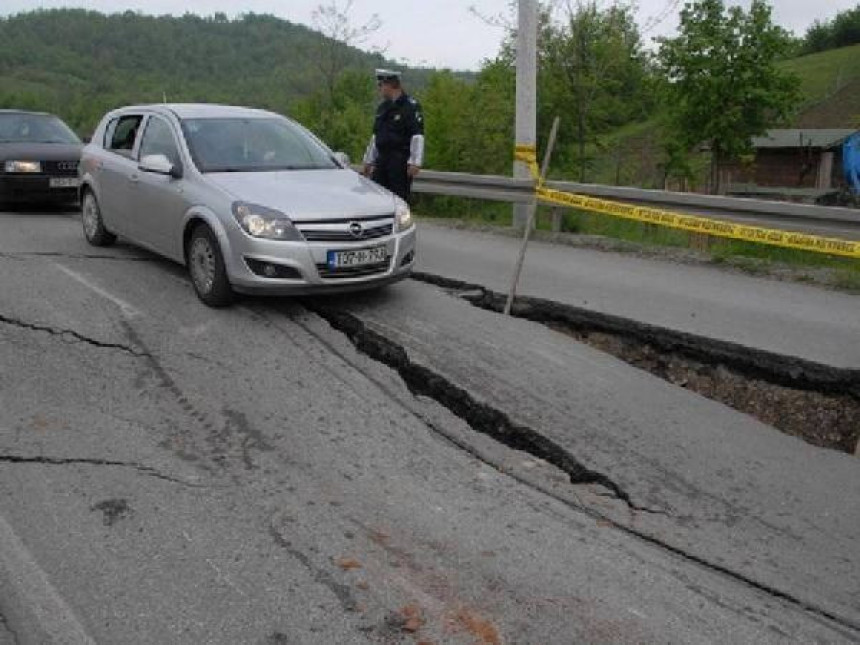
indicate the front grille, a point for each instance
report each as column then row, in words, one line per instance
column 60, row 168
column 318, row 235
column 328, row 273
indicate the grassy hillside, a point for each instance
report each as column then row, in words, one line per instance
column 830, row 82
column 80, row 63
column 823, row 74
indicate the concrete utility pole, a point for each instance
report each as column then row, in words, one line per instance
column 526, row 128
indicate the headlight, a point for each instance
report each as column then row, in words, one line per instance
column 266, row 223
column 23, row 166
column 404, row 217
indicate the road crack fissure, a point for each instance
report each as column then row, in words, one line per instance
column 71, row 334
column 757, row 363
column 481, row 417
column 71, row 461
column 816, row 402
column 496, row 424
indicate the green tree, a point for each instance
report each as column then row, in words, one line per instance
column 723, row 83
column 341, row 116
column 593, row 72
column 842, row 31
column 335, row 47
column 470, row 125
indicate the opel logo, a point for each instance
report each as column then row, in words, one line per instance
column 67, row 165
column 356, row 229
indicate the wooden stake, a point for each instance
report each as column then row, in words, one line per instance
column 515, row 280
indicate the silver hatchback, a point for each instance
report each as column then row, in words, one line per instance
column 248, row 200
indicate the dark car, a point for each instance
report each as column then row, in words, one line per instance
column 39, row 156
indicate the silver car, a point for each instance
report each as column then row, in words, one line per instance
column 248, row 200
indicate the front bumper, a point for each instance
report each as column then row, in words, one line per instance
column 306, row 263
column 33, row 189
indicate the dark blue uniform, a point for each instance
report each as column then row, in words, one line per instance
column 398, row 136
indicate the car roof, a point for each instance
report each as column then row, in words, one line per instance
column 200, row 110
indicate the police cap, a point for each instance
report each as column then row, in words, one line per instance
column 387, row 76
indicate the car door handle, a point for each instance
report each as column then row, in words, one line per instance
column 134, row 178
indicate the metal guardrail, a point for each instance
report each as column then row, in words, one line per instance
column 490, row 187
column 842, row 222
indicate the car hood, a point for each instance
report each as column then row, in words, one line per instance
column 305, row 195
column 40, row 152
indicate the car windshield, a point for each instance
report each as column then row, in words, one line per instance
column 253, row 145
column 35, row 128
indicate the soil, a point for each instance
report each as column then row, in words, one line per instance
column 824, row 420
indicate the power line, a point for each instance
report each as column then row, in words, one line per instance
column 662, row 16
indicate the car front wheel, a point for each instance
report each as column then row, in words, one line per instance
column 94, row 226
column 206, row 267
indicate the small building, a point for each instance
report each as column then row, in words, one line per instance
column 808, row 163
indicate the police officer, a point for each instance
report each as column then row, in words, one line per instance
column 396, row 151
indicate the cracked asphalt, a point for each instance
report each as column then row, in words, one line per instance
column 391, row 468
column 790, row 319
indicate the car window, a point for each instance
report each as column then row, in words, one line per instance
column 34, row 128
column 158, row 140
column 253, row 145
column 124, row 134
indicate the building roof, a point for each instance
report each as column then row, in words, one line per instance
column 821, row 139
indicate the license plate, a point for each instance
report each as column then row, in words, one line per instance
column 65, row 182
column 357, row 257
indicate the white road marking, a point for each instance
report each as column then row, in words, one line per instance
column 128, row 310
column 33, row 599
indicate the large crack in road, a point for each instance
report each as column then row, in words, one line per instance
column 40, row 460
column 817, row 403
column 70, row 335
column 481, row 417
column 492, row 422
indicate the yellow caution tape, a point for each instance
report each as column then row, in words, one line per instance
column 691, row 223
column 528, row 155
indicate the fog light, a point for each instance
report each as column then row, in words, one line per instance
column 272, row 271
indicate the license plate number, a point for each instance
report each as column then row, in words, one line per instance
column 64, row 182
column 357, row 257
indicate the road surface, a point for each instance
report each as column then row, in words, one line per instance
column 174, row 474
column 785, row 318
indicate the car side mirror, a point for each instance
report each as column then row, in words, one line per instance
column 160, row 165
column 342, row 158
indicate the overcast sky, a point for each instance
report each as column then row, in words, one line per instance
column 437, row 33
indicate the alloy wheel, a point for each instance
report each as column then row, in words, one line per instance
column 202, row 265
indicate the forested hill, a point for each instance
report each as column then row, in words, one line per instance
column 80, row 63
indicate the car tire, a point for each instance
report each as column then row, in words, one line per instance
column 94, row 226
column 206, row 268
